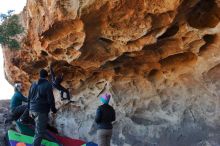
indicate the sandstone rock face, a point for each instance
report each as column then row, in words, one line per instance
column 160, row 60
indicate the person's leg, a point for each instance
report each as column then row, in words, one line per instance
column 101, row 138
column 62, row 90
column 108, row 137
column 25, row 116
column 8, row 118
column 41, row 121
column 18, row 111
column 52, row 128
column 68, row 94
column 61, row 94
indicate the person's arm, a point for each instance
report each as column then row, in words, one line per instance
column 61, row 77
column 52, row 72
column 29, row 96
column 106, row 89
column 51, row 99
column 103, row 90
column 113, row 118
column 98, row 115
column 23, row 98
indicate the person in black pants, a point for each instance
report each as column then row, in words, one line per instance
column 105, row 115
column 56, row 82
column 40, row 102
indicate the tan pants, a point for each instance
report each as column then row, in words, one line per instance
column 104, row 137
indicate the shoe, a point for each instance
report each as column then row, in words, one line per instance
column 23, row 121
column 7, row 121
column 64, row 99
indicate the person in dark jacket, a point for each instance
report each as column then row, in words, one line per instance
column 40, row 102
column 16, row 106
column 105, row 115
column 56, row 82
column 18, row 97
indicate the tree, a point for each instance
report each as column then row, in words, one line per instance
column 9, row 28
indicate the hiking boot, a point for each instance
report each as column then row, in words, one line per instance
column 64, row 99
column 23, row 121
column 7, row 121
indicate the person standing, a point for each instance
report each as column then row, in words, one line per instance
column 105, row 115
column 40, row 103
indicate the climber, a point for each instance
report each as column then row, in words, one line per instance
column 56, row 82
column 16, row 107
column 40, row 102
column 105, row 115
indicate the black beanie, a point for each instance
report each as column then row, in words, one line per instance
column 43, row 73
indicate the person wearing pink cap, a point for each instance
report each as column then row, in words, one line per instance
column 105, row 115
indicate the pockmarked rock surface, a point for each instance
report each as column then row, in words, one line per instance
column 160, row 60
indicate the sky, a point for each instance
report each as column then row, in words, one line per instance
column 6, row 90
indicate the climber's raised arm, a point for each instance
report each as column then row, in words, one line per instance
column 52, row 72
column 103, row 90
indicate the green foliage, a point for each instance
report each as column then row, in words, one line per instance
column 13, row 44
column 9, row 28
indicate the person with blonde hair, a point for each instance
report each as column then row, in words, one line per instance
column 18, row 97
column 16, row 106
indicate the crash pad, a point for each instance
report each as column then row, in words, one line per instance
column 24, row 129
column 90, row 144
column 65, row 141
column 18, row 139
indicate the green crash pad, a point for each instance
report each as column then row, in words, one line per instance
column 24, row 129
column 14, row 136
column 65, row 141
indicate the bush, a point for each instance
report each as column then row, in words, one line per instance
column 9, row 28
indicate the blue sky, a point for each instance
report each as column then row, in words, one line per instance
column 6, row 90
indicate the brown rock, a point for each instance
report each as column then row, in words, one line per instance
column 159, row 60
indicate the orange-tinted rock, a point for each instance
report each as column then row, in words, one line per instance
column 158, row 58
column 205, row 14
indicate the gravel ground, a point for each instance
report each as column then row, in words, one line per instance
column 4, row 109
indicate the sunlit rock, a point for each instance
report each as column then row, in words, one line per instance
column 159, row 60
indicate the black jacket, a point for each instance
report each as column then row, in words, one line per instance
column 40, row 98
column 105, row 115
